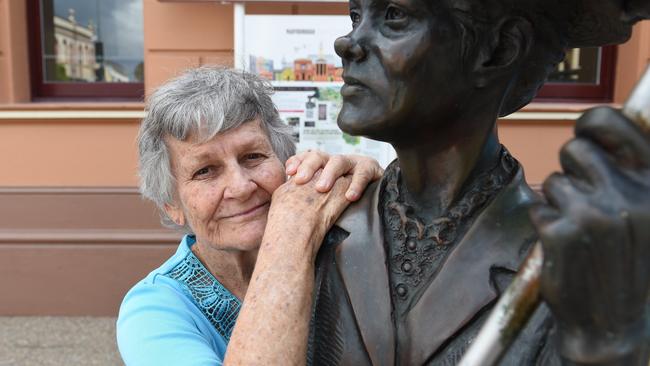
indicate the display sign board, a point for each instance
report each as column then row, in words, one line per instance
column 296, row 53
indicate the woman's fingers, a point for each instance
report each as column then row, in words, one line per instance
column 339, row 186
column 308, row 163
column 363, row 171
column 337, row 166
column 291, row 166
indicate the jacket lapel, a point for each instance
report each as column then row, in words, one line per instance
column 499, row 237
column 361, row 260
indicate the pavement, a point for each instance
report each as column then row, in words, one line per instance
column 58, row 341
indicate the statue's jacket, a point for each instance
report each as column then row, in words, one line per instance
column 353, row 323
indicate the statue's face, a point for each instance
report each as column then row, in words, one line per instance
column 402, row 65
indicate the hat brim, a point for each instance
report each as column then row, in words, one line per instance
column 604, row 22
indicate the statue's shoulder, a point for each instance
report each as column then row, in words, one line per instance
column 514, row 200
column 359, row 226
column 504, row 228
column 363, row 214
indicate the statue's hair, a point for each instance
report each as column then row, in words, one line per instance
column 203, row 101
column 556, row 25
column 477, row 20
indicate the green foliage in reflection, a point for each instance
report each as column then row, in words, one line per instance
column 139, row 72
column 60, row 74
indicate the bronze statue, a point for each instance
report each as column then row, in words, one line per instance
column 409, row 273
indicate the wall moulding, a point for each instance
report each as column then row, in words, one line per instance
column 80, row 215
column 71, row 115
column 76, row 250
column 72, row 280
column 76, row 213
column 88, row 236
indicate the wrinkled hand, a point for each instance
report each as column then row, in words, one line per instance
column 306, row 214
column 595, row 232
column 364, row 170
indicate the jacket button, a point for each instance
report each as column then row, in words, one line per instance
column 401, row 290
column 411, row 245
column 407, row 266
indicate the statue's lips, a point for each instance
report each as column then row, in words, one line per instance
column 352, row 86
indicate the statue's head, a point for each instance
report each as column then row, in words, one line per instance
column 408, row 62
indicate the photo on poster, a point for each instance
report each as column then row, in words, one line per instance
column 294, row 47
column 322, row 112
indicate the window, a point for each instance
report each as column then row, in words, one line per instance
column 586, row 75
column 87, row 49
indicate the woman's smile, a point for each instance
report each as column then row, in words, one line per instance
column 249, row 213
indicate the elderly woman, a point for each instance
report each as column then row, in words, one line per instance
column 212, row 149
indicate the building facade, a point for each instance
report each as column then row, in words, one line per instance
column 74, row 49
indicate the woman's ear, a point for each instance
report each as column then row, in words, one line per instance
column 508, row 45
column 176, row 214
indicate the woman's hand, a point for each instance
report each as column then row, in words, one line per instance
column 595, row 233
column 364, row 171
column 305, row 214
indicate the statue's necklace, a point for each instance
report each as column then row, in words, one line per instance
column 416, row 249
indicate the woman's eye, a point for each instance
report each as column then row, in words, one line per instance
column 393, row 13
column 254, row 156
column 202, row 172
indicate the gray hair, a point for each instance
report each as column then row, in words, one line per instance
column 203, row 101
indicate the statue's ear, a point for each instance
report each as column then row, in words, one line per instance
column 507, row 47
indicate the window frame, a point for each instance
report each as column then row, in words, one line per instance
column 42, row 90
column 603, row 92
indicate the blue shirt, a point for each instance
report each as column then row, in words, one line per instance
column 178, row 315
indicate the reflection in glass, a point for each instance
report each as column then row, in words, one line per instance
column 92, row 40
column 581, row 65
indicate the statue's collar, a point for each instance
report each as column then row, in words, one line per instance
column 417, row 247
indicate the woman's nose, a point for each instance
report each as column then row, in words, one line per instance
column 348, row 48
column 240, row 186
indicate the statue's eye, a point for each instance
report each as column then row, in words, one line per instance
column 356, row 18
column 394, row 13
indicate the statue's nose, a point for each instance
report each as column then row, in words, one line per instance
column 348, row 48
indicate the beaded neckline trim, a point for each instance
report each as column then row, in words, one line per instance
column 417, row 247
column 215, row 301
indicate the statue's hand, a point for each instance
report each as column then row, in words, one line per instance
column 595, row 232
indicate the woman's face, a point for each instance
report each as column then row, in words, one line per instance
column 224, row 186
column 402, row 65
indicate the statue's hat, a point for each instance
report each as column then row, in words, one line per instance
column 602, row 22
column 581, row 23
